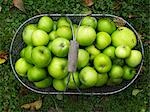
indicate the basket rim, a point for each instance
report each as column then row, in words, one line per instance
column 76, row 93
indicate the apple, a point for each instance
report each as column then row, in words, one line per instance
column 110, row 51
column 106, row 25
column 40, row 38
column 54, row 25
column 21, row 67
column 118, row 61
column 93, row 51
column 83, row 58
column 27, row 33
column 88, row 76
column 82, row 86
column 122, row 51
column 89, row 21
column 103, row 39
column 75, row 28
column 49, row 46
column 124, row 36
column 64, row 32
column 102, row 63
column 52, row 35
column 36, row 74
column 113, row 82
column 59, row 85
column 60, row 47
column 43, row 83
column 41, row 56
column 22, row 53
column 58, row 68
column 134, row 59
column 63, row 21
column 129, row 73
column 45, row 23
column 101, row 79
column 27, row 54
column 73, row 80
column 116, row 72
column 86, row 35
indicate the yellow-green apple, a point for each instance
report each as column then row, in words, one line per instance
column 27, row 54
column 22, row 67
column 45, row 23
column 129, row 72
column 59, row 84
column 86, row 35
column 60, row 47
column 83, row 58
column 134, row 58
column 58, row 68
column 110, row 51
column 101, row 79
column 106, row 25
column 123, row 51
column 40, row 38
column 63, row 21
column 88, row 76
column 103, row 39
column 124, row 36
column 102, row 63
column 41, row 56
column 44, row 83
column 27, row 33
column 36, row 74
column 89, row 21
column 52, row 35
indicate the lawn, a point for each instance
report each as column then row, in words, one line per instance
column 13, row 94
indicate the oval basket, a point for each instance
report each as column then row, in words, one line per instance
column 17, row 44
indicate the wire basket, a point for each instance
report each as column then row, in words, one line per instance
column 17, row 44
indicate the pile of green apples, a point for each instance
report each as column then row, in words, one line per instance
column 106, row 54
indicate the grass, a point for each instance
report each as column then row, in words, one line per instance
column 13, row 94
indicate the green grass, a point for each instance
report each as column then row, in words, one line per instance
column 13, row 94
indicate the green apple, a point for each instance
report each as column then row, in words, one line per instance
column 83, row 58
column 75, row 28
column 22, row 53
column 60, row 47
column 134, row 59
column 122, row 51
column 118, row 61
column 106, row 25
column 63, row 21
column 103, row 39
column 73, row 80
column 93, row 51
column 59, row 84
column 124, row 36
column 82, row 86
column 45, row 23
column 110, row 51
column 54, row 25
column 102, row 63
column 86, row 35
column 49, row 46
column 44, row 83
column 116, row 72
column 21, row 67
column 40, row 38
column 89, row 21
column 52, row 35
column 41, row 56
column 27, row 54
column 27, row 33
column 36, row 74
column 64, row 32
column 129, row 73
column 101, row 79
column 58, row 68
column 113, row 82
column 88, row 76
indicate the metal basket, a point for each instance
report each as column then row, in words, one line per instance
column 17, row 44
